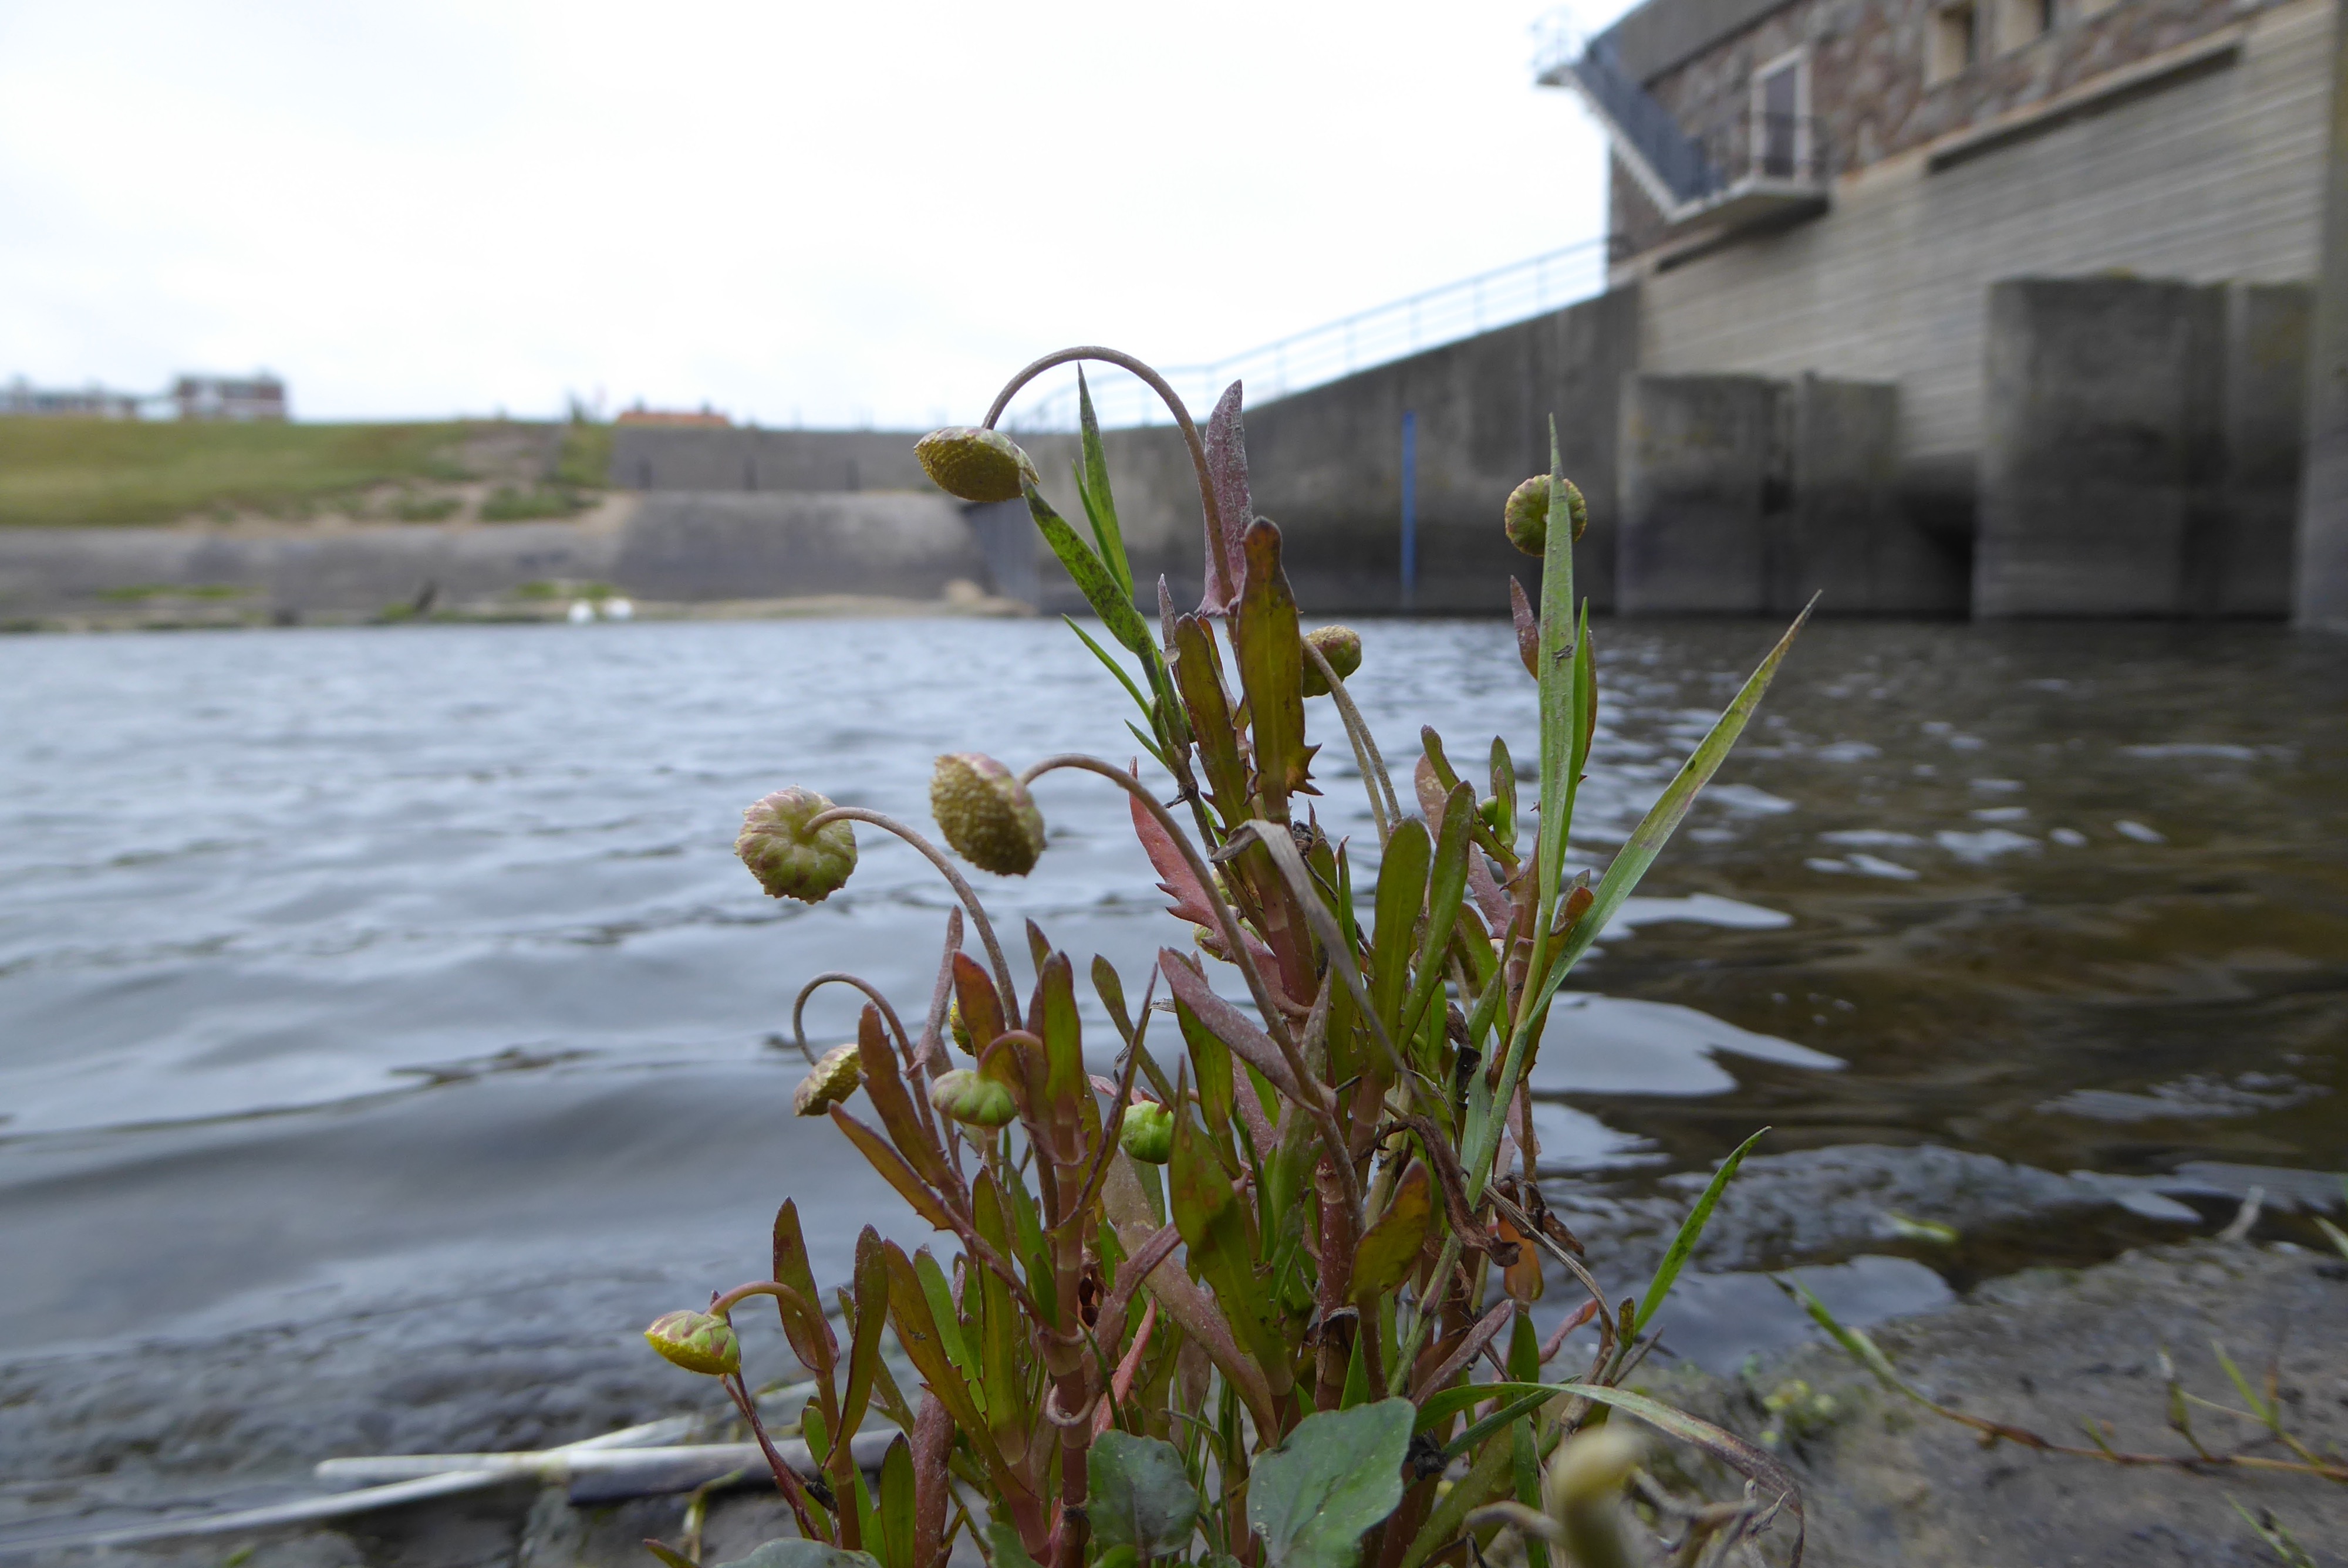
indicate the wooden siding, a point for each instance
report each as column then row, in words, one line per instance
column 2214, row 178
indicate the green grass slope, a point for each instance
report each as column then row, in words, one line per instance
column 61, row 473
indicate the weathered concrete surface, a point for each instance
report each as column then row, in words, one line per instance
column 2239, row 559
column 696, row 546
column 1325, row 463
column 2320, row 595
column 1848, row 532
column 2102, row 444
column 1702, row 483
column 1888, row 1483
column 676, row 546
column 658, row 457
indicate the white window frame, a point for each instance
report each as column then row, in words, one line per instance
column 1798, row 58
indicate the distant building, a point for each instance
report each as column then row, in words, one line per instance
column 1996, row 304
column 21, row 399
column 239, row 399
column 1832, row 186
column 706, row 418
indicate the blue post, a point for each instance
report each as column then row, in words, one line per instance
column 1409, row 509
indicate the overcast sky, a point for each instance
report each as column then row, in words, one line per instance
column 830, row 215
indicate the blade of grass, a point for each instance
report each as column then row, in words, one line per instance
column 1092, row 489
column 1691, row 1231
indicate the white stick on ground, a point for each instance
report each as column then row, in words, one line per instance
column 307, row 1511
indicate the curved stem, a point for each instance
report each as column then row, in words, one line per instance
column 841, row 977
column 1375, row 778
column 960, row 885
column 1226, row 589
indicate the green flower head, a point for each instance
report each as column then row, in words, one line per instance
column 789, row 861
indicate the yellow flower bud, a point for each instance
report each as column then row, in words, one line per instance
column 788, row 861
column 974, row 464
column 1342, row 647
column 986, row 813
column 836, row 1077
column 970, row 1098
column 1526, row 517
column 696, row 1342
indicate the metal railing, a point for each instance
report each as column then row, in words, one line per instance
column 1409, row 325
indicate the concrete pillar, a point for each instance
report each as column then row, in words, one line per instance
column 2238, row 564
column 2101, row 445
column 2321, row 600
column 1700, row 478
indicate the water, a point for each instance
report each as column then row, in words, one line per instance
column 336, row 961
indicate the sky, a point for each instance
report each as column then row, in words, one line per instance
column 828, row 215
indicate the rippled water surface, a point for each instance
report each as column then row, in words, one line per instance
column 333, row 958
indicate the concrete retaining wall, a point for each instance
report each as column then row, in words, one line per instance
column 1699, row 453
column 2142, row 447
column 668, row 457
column 678, row 547
column 1326, row 464
column 1743, row 494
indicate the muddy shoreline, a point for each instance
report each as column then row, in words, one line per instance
column 104, row 1437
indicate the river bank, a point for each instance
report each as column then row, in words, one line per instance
column 134, row 1434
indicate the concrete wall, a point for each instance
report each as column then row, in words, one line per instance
column 2217, row 177
column 1743, row 494
column 1325, row 464
column 677, row 547
column 700, row 545
column 2320, row 591
column 2142, row 448
column 1701, row 488
column 2242, row 565
column 668, row 457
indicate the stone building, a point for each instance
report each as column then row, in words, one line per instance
column 239, row 399
column 2065, row 243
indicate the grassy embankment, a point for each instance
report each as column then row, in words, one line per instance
column 77, row 473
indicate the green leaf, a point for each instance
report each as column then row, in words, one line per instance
column 1114, row 669
column 1092, row 489
column 1402, row 892
column 1338, row 1474
column 1447, row 890
column 1647, row 840
column 797, row 1551
column 1063, row 1053
column 1504, row 790
column 939, row 1296
column 1691, row 1231
column 896, row 1511
column 1138, row 1494
column 1199, row 677
column 1100, row 586
column 864, row 1348
column 1009, row 1550
column 669, row 1554
column 1515, row 1410
column 1272, row 670
column 1561, row 725
column 1391, row 1245
column 1214, row 1225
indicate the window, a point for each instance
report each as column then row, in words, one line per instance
column 1781, row 106
column 2021, row 22
column 1953, row 46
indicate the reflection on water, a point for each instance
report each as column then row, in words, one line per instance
column 329, row 953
